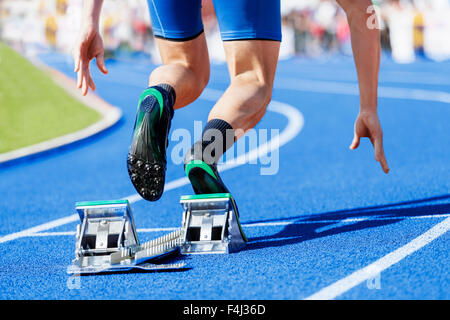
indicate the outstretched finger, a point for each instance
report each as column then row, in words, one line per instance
column 84, row 86
column 100, row 59
column 87, row 81
column 79, row 77
column 76, row 61
column 91, row 83
column 379, row 154
column 355, row 142
column 84, row 79
column 81, row 74
column 77, row 64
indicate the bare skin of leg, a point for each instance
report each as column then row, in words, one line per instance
column 252, row 65
column 185, row 67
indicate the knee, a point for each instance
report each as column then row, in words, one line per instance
column 198, row 74
column 264, row 95
column 260, row 89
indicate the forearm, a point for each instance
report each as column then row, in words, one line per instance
column 91, row 13
column 366, row 51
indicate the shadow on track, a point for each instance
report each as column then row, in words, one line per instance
column 304, row 228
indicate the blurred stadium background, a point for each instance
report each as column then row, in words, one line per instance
column 410, row 29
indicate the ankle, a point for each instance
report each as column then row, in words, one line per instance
column 169, row 96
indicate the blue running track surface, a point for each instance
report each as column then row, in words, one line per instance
column 329, row 224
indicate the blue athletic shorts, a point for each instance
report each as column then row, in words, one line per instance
column 181, row 20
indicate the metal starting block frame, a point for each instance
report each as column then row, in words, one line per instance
column 211, row 224
column 106, row 240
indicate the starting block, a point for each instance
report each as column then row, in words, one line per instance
column 106, row 240
column 211, row 224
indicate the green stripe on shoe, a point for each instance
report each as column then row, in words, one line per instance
column 199, row 164
column 154, row 92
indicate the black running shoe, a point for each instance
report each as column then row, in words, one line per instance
column 147, row 154
column 204, row 177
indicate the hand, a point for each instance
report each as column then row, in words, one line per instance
column 88, row 46
column 368, row 125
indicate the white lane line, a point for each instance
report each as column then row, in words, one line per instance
column 294, row 126
column 335, row 87
column 338, row 288
column 349, row 74
column 334, row 224
column 39, row 228
column 53, row 234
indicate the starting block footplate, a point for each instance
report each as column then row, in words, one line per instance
column 211, row 224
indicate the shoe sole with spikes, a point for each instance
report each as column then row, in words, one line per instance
column 146, row 160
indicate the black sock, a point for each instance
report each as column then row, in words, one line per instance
column 217, row 138
column 169, row 96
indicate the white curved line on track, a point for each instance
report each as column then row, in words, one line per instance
column 294, row 126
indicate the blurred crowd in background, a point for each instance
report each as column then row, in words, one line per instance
column 410, row 29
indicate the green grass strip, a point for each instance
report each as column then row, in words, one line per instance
column 33, row 108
